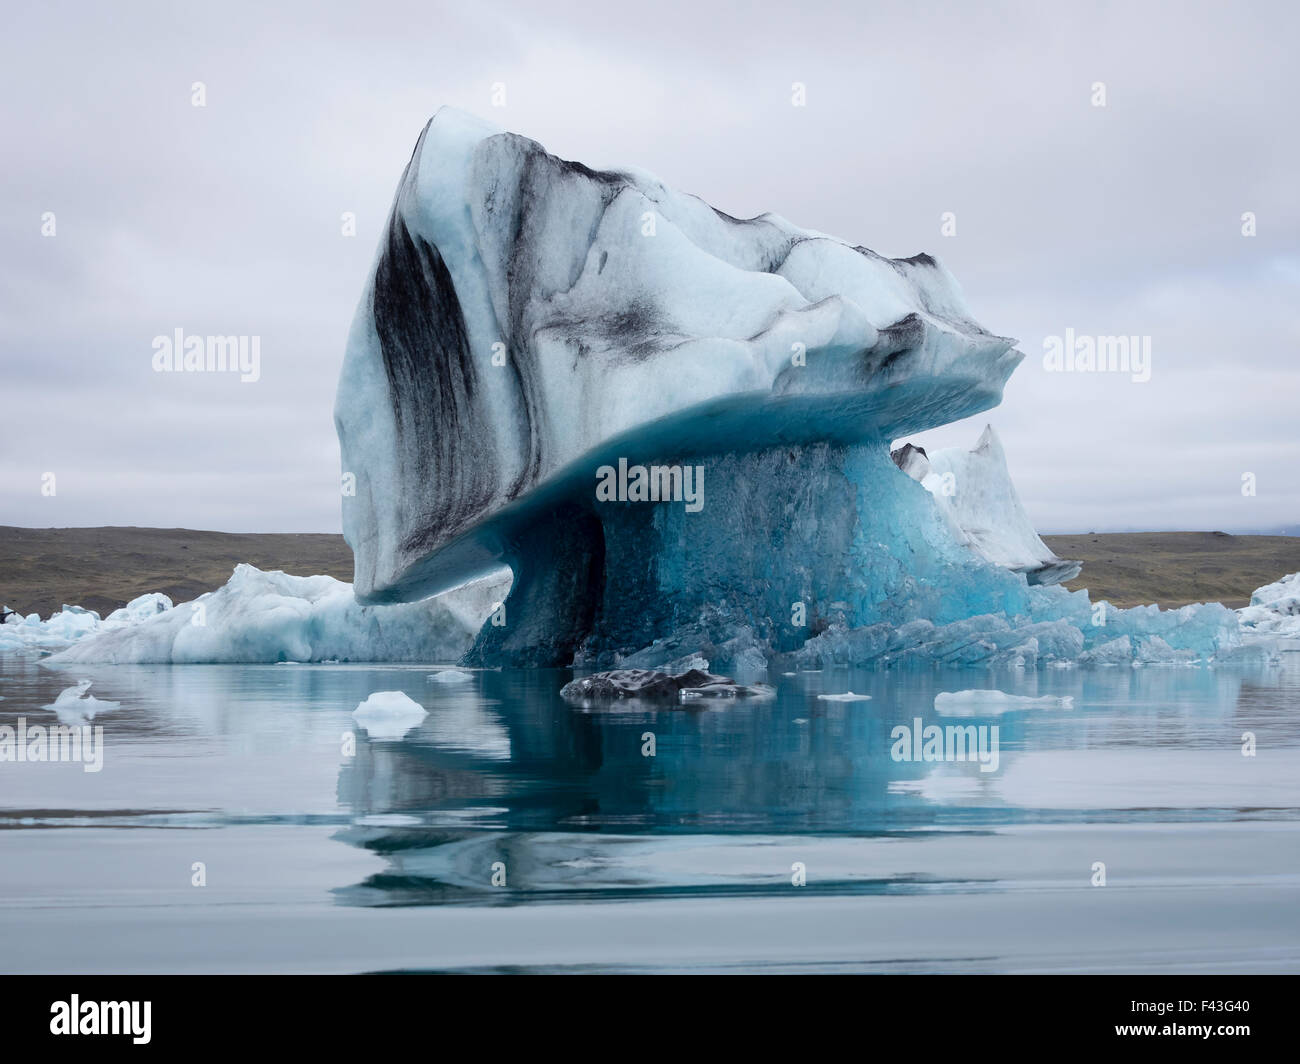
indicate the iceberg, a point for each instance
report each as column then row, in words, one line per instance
column 265, row 617
column 673, row 427
column 1274, row 613
column 73, row 623
column 530, row 321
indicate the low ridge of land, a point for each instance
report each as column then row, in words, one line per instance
column 104, row 568
column 1176, row 568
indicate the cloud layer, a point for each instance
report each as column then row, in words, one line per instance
column 226, row 219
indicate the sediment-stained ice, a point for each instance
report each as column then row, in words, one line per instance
column 531, row 320
column 531, row 324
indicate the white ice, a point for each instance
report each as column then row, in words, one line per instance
column 451, row 676
column 75, row 705
column 389, row 714
column 272, row 617
column 992, row 703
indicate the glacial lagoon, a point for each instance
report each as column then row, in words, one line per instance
column 242, row 820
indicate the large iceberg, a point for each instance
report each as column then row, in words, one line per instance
column 530, row 323
column 673, row 427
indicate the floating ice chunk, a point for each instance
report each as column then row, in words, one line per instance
column 389, row 714
column 76, row 706
column 451, row 676
column 62, row 629
column 992, row 703
column 847, row 696
column 271, row 617
column 73, row 623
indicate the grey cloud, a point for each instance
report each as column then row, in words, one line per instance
column 1123, row 219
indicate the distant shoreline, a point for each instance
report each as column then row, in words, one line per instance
column 104, row 568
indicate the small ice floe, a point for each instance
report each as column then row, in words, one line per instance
column 389, row 714
column 451, row 676
column 75, row 706
column 992, row 703
column 847, row 696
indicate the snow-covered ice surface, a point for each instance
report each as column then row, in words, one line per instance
column 271, row 616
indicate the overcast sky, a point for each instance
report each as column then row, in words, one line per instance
column 225, row 219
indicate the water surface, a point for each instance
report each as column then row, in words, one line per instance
column 509, row 830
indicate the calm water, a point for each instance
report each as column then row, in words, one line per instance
column 326, row 850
